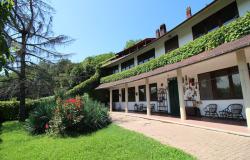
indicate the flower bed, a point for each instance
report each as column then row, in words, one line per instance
column 74, row 115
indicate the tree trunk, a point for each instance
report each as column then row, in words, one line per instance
column 22, row 79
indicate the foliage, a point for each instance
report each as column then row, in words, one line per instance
column 70, row 116
column 41, row 82
column 66, row 116
column 9, row 109
column 131, row 43
column 29, row 32
column 39, row 118
column 227, row 33
column 95, row 116
column 5, row 7
column 111, row 143
column 84, row 70
column 87, row 85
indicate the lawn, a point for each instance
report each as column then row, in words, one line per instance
column 110, row 143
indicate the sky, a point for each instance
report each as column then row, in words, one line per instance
column 102, row 26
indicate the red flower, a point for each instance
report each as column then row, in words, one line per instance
column 46, row 126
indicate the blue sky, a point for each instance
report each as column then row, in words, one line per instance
column 101, row 26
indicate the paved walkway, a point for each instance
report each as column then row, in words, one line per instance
column 202, row 143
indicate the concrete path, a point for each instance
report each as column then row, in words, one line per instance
column 203, row 144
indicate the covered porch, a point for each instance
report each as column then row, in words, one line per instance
column 218, row 79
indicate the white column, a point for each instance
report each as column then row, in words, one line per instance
column 245, row 82
column 126, row 98
column 110, row 100
column 148, row 97
column 181, row 94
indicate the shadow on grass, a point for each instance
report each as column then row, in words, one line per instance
column 89, row 132
column 1, row 132
column 12, row 126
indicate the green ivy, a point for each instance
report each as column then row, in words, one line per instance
column 86, row 85
column 227, row 33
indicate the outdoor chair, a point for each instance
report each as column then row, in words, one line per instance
column 152, row 107
column 136, row 107
column 232, row 111
column 211, row 110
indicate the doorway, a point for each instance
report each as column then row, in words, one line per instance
column 174, row 97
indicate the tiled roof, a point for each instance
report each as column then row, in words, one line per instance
column 221, row 50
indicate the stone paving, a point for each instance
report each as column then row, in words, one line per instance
column 203, row 144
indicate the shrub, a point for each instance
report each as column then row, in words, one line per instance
column 96, row 115
column 39, row 118
column 227, row 33
column 66, row 116
column 74, row 115
column 9, row 109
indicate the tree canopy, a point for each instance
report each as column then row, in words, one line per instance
column 130, row 43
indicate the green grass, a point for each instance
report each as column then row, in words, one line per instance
column 111, row 143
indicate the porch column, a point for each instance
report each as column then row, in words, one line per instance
column 110, row 100
column 148, row 97
column 126, row 98
column 181, row 94
column 245, row 82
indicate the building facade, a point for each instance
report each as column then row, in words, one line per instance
column 218, row 76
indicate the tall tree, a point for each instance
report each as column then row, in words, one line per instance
column 29, row 32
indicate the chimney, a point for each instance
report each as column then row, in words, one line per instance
column 157, row 33
column 163, row 29
column 188, row 12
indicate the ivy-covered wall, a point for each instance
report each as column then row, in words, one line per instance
column 227, row 33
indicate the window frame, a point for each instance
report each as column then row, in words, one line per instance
column 115, row 97
column 212, row 88
column 142, row 96
column 152, row 96
column 131, row 98
column 123, row 95
column 146, row 56
column 171, row 44
column 216, row 20
column 127, row 64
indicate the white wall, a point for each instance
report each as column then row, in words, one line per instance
column 243, row 6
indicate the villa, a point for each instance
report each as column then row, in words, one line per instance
column 214, row 82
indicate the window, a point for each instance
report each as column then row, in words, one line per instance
column 153, row 92
column 171, row 44
column 127, row 65
column 131, row 94
column 123, row 94
column 142, row 93
column 115, row 95
column 145, row 57
column 222, row 17
column 220, row 84
column 112, row 70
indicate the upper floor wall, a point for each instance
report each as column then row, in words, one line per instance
column 210, row 18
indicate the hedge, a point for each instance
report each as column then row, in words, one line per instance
column 9, row 109
column 224, row 34
column 87, row 85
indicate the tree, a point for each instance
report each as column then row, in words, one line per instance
column 87, row 68
column 5, row 6
column 29, row 31
column 130, row 43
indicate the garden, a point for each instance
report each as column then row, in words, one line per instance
column 77, row 128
